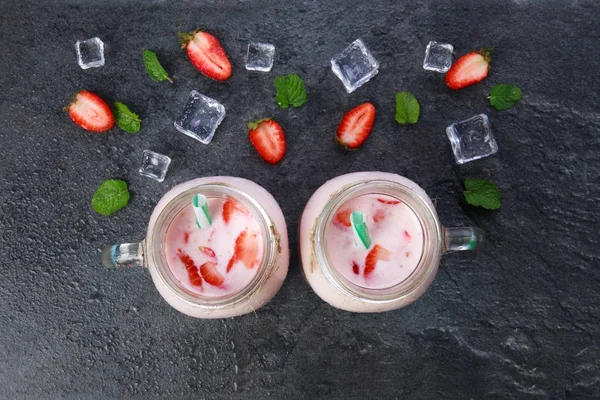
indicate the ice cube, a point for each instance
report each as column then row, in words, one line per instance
column 355, row 66
column 472, row 139
column 154, row 165
column 260, row 57
column 438, row 57
column 200, row 117
column 90, row 53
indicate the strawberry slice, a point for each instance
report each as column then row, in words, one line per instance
column 191, row 268
column 231, row 206
column 208, row 252
column 245, row 250
column 356, row 126
column 207, row 55
column 90, row 112
column 209, row 272
column 469, row 69
column 390, row 202
column 267, row 138
column 377, row 253
column 379, row 216
column 342, row 219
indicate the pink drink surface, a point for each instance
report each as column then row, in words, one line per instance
column 396, row 242
column 219, row 260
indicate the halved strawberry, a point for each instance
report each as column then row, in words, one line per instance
column 208, row 252
column 229, row 207
column 209, row 272
column 91, row 112
column 377, row 253
column 390, row 202
column 267, row 137
column 191, row 268
column 206, row 53
column 342, row 219
column 245, row 250
column 469, row 69
column 356, row 126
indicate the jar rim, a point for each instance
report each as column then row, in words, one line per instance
column 432, row 240
column 156, row 244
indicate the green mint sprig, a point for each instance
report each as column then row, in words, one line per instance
column 111, row 196
column 290, row 90
column 407, row 108
column 482, row 193
column 153, row 67
column 125, row 119
column 503, row 96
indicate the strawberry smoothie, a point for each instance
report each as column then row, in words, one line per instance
column 231, row 268
column 219, row 260
column 396, row 248
column 405, row 249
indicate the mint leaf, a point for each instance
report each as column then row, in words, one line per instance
column 153, row 67
column 125, row 119
column 290, row 90
column 503, row 96
column 482, row 193
column 407, row 108
column 111, row 196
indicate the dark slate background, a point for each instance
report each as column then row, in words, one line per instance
column 518, row 319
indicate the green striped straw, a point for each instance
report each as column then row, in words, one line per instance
column 359, row 226
column 203, row 218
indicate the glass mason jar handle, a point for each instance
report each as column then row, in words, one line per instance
column 457, row 239
column 124, row 255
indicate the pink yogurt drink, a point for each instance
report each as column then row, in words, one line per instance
column 402, row 258
column 397, row 242
column 219, row 260
column 230, row 267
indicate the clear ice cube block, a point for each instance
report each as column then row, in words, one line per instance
column 200, row 117
column 90, row 53
column 355, row 66
column 260, row 57
column 472, row 139
column 438, row 57
column 154, row 165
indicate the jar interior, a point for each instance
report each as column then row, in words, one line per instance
column 395, row 234
column 165, row 220
column 425, row 252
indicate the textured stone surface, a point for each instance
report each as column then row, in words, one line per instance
column 519, row 319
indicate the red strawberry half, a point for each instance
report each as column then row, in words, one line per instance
column 91, row 112
column 245, row 250
column 267, row 137
column 356, row 126
column 209, row 272
column 231, row 206
column 206, row 53
column 377, row 253
column 342, row 219
column 190, row 267
column 469, row 69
